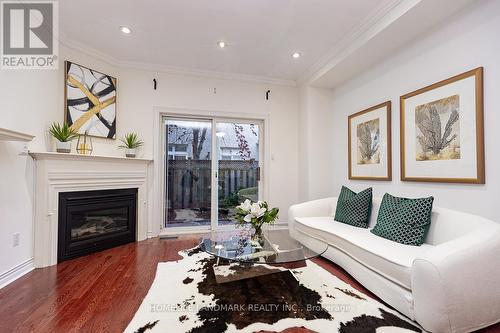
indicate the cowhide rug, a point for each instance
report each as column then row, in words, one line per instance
column 185, row 297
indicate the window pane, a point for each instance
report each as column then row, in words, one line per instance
column 188, row 173
column 238, row 157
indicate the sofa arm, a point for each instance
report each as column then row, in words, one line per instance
column 455, row 285
column 321, row 207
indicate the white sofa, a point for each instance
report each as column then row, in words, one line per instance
column 449, row 284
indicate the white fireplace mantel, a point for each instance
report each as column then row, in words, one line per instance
column 62, row 156
column 10, row 135
column 56, row 173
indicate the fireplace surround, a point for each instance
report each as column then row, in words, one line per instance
column 56, row 174
column 91, row 221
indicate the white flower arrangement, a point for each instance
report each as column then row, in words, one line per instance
column 256, row 214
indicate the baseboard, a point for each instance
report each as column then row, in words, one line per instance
column 167, row 232
column 281, row 224
column 16, row 272
column 172, row 232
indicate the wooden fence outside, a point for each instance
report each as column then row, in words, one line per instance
column 189, row 186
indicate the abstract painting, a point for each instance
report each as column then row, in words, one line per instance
column 442, row 137
column 90, row 101
column 369, row 143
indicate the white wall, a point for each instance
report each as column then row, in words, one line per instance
column 316, row 137
column 16, row 206
column 466, row 41
column 31, row 100
column 28, row 102
column 303, row 136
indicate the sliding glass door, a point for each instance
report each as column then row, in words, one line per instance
column 211, row 165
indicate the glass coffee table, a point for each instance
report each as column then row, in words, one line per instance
column 240, row 257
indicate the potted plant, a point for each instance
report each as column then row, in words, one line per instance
column 63, row 134
column 256, row 214
column 130, row 143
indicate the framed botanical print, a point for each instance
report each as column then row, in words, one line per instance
column 90, row 101
column 369, row 143
column 442, row 137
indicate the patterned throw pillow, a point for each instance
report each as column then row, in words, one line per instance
column 354, row 209
column 404, row 220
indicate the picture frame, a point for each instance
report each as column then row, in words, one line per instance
column 442, row 131
column 90, row 101
column 370, row 143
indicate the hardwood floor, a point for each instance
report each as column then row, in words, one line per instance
column 101, row 292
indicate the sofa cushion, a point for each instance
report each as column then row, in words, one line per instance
column 404, row 220
column 389, row 259
column 354, row 208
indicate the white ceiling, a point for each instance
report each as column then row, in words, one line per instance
column 182, row 34
column 407, row 22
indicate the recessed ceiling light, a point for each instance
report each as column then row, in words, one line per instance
column 126, row 30
column 221, row 44
column 296, row 55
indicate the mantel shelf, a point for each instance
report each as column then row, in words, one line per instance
column 10, row 135
column 62, row 156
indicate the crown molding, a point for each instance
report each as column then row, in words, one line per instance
column 379, row 19
column 85, row 49
column 208, row 74
column 151, row 67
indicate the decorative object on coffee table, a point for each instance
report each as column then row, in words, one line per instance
column 369, row 143
column 64, row 135
column 84, row 145
column 131, row 143
column 90, row 101
column 442, row 127
column 256, row 214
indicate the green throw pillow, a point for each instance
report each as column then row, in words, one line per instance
column 354, row 208
column 404, row 220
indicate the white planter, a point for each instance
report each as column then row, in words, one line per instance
column 63, row 147
column 130, row 152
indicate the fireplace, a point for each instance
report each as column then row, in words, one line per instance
column 91, row 221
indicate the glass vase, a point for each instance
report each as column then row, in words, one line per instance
column 258, row 236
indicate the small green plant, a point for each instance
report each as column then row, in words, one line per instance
column 62, row 133
column 131, row 141
column 231, row 200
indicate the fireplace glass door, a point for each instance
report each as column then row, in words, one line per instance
column 91, row 221
column 97, row 223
